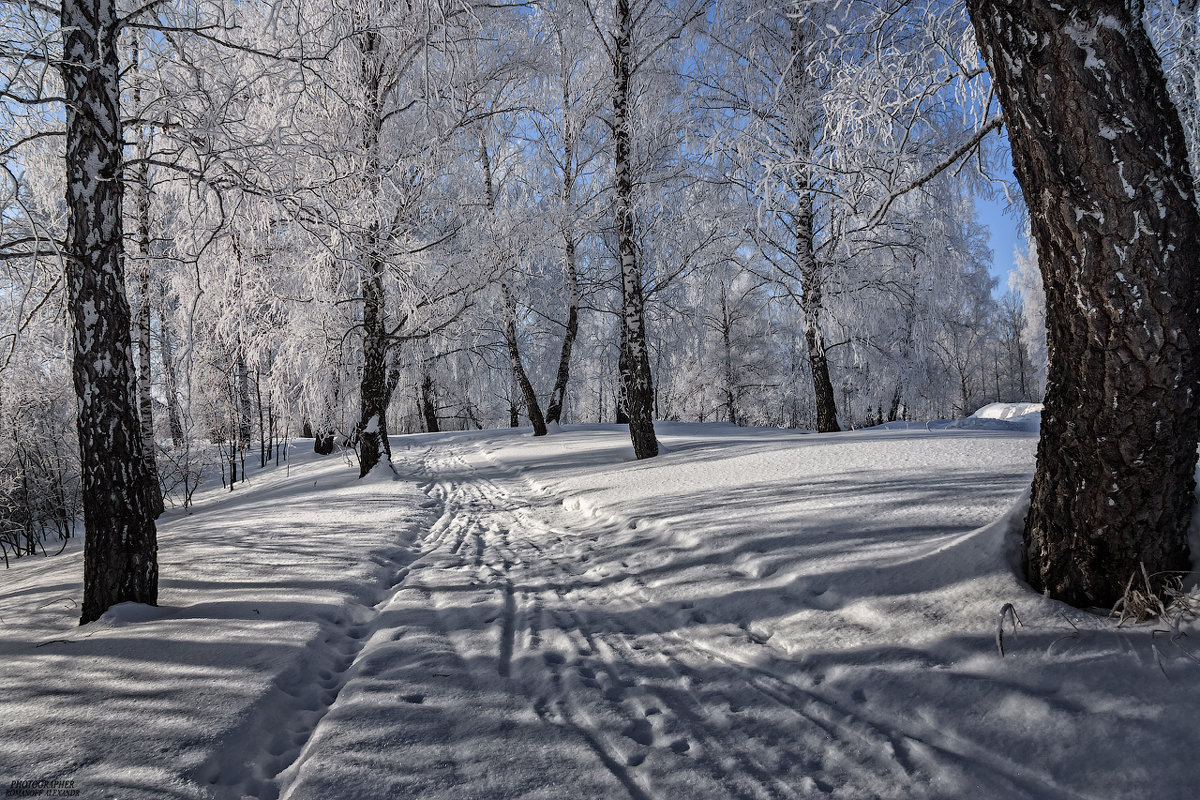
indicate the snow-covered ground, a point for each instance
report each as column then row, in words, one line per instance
column 754, row 614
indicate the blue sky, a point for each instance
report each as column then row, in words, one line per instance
column 1004, row 222
column 1005, row 228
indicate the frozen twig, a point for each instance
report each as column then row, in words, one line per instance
column 1007, row 610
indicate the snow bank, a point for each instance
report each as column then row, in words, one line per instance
column 211, row 692
column 1008, row 411
column 1003, row 417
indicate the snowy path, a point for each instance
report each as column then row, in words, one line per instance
column 539, row 619
column 754, row 615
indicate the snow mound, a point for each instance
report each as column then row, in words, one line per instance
column 1007, row 411
column 129, row 613
column 1003, row 417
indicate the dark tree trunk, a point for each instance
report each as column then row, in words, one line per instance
column 429, row 404
column 120, row 551
column 634, row 362
column 559, row 393
column 373, row 446
column 323, row 443
column 514, row 410
column 532, row 409
column 245, row 410
column 1100, row 155
column 727, row 344
column 811, row 278
column 570, row 271
column 263, row 449
column 894, row 406
column 375, row 388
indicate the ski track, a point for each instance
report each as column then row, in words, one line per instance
column 633, row 686
column 649, row 682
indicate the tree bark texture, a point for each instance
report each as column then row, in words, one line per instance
column 120, row 551
column 375, row 389
column 429, row 403
column 634, row 362
column 1100, row 155
column 375, row 397
column 140, row 180
column 811, row 279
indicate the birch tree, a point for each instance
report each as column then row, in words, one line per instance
column 830, row 112
column 120, row 554
column 1102, row 161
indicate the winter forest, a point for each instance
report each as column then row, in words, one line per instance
column 374, row 305
column 334, row 215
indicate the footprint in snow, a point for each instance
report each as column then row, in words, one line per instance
column 640, row 732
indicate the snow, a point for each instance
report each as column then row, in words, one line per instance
column 1000, row 417
column 755, row 613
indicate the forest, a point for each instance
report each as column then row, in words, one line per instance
column 424, row 216
column 386, row 383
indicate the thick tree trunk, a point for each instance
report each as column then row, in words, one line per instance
column 1100, row 155
column 634, row 362
column 811, row 302
column 373, row 447
column 120, row 551
column 375, row 389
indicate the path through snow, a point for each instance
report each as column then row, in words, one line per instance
column 756, row 614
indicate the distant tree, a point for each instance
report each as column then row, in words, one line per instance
column 1101, row 157
column 1025, row 283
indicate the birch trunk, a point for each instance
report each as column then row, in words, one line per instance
column 375, row 389
column 1101, row 158
column 120, row 550
column 634, row 362
column 532, row 408
column 140, row 182
column 811, row 279
column 570, row 268
column 167, row 354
